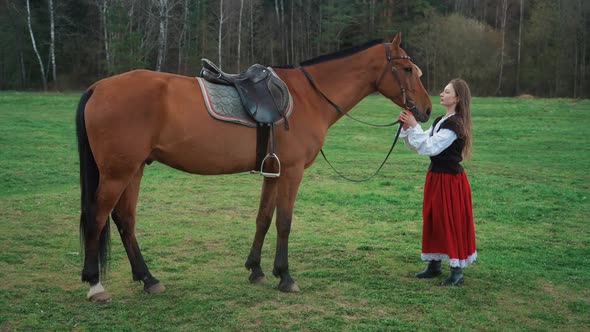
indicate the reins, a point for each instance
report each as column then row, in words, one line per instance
column 338, row 108
column 378, row 169
column 408, row 105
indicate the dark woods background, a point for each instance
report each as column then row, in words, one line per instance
column 502, row 47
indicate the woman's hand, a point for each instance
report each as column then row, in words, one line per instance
column 408, row 119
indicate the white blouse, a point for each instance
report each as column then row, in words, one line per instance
column 421, row 141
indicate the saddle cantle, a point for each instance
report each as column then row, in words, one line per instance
column 263, row 96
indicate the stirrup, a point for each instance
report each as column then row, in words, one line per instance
column 268, row 174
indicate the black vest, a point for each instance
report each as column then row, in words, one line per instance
column 449, row 160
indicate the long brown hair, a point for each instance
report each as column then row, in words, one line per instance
column 463, row 110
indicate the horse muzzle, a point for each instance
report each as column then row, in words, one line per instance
column 420, row 117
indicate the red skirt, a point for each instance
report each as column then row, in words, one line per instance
column 448, row 232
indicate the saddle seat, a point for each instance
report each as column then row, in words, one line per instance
column 263, row 94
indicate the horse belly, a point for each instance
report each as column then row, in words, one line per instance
column 192, row 141
column 223, row 153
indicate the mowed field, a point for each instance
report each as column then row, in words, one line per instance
column 354, row 247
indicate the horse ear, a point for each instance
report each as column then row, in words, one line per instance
column 397, row 39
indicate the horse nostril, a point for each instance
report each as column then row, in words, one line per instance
column 428, row 110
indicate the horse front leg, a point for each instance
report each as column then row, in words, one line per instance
column 287, row 192
column 265, row 212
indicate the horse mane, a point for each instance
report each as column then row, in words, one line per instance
column 336, row 55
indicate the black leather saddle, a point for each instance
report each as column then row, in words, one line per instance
column 263, row 94
column 265, row 97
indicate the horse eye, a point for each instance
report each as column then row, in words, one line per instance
column 408, row 69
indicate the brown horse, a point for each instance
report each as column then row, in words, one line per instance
column 128, row 120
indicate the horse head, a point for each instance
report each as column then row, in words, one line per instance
column 400, row 81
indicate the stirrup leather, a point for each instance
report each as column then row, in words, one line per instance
column 265, row 144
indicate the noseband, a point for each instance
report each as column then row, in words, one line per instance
column 408, row 103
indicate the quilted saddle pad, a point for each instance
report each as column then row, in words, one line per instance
column 223, row 103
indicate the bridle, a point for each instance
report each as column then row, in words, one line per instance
column 408, row 104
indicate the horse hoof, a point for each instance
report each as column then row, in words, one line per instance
column 100, row 298
column 259, row 280
column 155, row 289
column 289, row 288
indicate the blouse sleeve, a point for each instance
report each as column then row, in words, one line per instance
column 421, row 141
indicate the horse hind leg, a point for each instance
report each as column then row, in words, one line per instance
column 94, row 226
column 263, row 220
column 95, row 233
column 124, row 217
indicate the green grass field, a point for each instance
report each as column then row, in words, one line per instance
column 354, row 248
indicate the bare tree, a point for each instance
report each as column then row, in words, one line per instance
column 277, row 12
column 43, row 77
column 19, row 38
column 240, row 33
column 163, row 9
column 52, row 43
column 519, row 48
column 221, row 18
column 504, row 12
column 251, row 54
column 584, row 48
column 371, row 17
column 292, row 37
column 283, row 31
column 320, row 26
column 103, row 7
column 182, row 38
column 280, row 13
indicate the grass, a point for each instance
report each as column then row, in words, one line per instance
column 353, row 249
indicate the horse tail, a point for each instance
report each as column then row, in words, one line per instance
column 89, row 177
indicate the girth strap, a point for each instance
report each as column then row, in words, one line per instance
column 262, row 135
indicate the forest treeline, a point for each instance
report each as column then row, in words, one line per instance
column 502, row 47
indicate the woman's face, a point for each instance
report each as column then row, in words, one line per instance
column 448, row 97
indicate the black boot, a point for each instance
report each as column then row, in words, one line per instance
column 455, row 278
column 432, row 270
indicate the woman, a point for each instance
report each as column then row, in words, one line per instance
column 447, row 231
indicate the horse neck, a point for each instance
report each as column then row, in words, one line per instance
column 346, row 81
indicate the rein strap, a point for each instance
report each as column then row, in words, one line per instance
column 378, row 169
column 338, row 108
